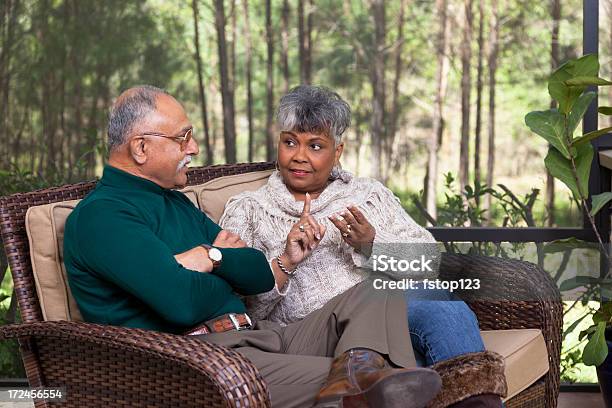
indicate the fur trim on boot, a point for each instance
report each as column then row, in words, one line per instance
column 468, row 375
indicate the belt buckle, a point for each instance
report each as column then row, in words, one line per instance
column 236, row 323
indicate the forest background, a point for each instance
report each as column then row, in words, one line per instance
column 435, row 86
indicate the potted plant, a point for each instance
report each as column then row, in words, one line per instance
column 569, row 159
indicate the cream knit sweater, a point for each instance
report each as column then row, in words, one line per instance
column 264, row 217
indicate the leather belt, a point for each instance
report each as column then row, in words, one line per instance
column 223, row 323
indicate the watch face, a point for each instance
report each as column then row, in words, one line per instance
column 214, row 254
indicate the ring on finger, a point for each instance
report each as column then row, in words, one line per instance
column 345, row 234
column 349, row 228
column 302, row 227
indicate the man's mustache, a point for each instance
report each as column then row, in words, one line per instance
column 186, row 160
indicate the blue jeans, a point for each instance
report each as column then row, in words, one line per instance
column 441, row 326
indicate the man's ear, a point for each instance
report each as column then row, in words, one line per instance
column 138, row 150
column 339, row 150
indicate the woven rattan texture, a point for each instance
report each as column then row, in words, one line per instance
column 532, row 397
column 514, row 295
column 119, row 367
column 134, row 361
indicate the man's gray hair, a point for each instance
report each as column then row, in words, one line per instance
column 314, row 109
column 130, row 107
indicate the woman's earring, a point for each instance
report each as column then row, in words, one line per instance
column 335, row 172
column 276, row 165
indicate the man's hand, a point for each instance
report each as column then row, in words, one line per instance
column 226, row 239
column 195, row 259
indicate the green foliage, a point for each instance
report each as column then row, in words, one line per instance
column 11, row 365
column 596, row 350
column 569, row 159
column 569, row 363
column 577, row 113
column 599, row 201
column 587, row 137
column 550, row 125
column 566, row 95
column 574, row 174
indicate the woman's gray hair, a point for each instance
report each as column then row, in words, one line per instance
column 314, row 109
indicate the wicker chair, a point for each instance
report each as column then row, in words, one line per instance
column 120, row 367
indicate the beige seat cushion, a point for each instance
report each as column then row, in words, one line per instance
column 213, row 195
column 525, row 355
column 45, row 229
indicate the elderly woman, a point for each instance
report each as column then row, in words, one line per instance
column 323, row 227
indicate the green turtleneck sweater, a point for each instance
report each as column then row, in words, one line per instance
column 119, row 248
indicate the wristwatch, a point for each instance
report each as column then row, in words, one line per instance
column 213, row 254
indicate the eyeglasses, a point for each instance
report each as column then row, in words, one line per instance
column 183, row 140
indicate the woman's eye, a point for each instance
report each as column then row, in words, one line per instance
column 315, row 147
column 290, row 143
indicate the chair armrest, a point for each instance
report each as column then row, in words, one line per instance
column 97, row 363
column 514, row 294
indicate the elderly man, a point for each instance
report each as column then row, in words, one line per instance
column 140, row 254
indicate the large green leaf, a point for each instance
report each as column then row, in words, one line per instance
column 587, row 81
column 599, row 201
column 561, row 168
column 605, row 110
column 566, row 96
column 578, row 111
column 550, row 125
column 596, row 350
column 587, row 137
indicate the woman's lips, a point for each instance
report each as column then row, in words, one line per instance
column 299, row 173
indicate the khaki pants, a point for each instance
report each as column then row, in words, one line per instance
column 295, row 360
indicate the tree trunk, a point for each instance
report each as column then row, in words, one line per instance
column 308, row 64
column 304, row 39
column 285, row 45
column 492, row 65
column 201, row 90
column 443, row 65
column 377, row 73
column 394, row 116
column 269, row 85
column 64, row 147
column 47, row 106
column 554, row 56
column 479, row 86
column 10, row 13
column 227, row 93
column 92, row 123
column 466, row 85
column 232, row 74
column 249, row 79
column 77, row 96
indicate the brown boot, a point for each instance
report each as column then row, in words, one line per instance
column 361, row 378
column 474, row 380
